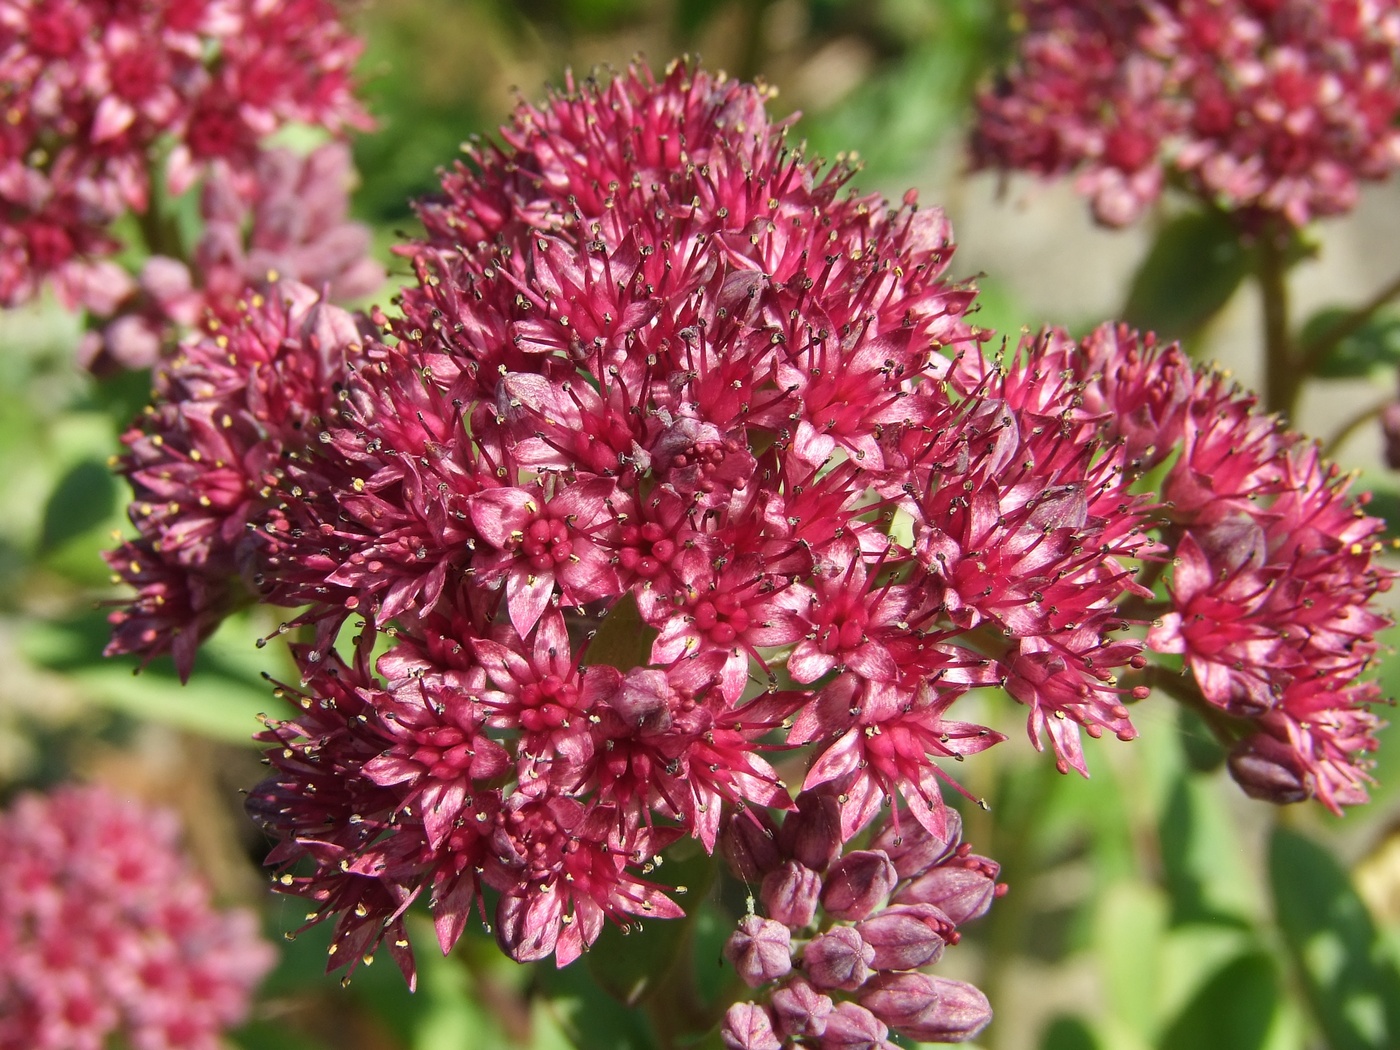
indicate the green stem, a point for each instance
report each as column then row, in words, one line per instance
column 1352, row 425
column 1283, row 379
column 1183, row 689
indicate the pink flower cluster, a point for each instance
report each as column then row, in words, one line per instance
column 93, row 91
column 107, row 933
column 676, row 457
column 1263, row 107
column 228, row 408
column 843, row 939
column 1271, row 592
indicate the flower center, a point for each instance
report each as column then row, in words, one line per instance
column 546, row 544
column 721, row 618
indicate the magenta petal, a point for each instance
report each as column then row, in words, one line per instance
column 527, row 597
column 528, row 921
column 497, row 513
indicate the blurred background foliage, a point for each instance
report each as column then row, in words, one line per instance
column 1152, row 907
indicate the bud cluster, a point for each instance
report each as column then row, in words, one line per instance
column 839, row 948
column 287, row 216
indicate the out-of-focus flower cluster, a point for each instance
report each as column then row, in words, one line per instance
column 107, row 933
column 294, row 226
column 676, row 456
column 101, row 99
column 840, row 946
column 1263, row 107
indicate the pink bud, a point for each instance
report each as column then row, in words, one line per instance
column 858, row 884
column 906, row 936
column 913, row 848
column 760, row 950
column 790, row 894
column 961, row 893
column 853, row 1027
column 748, row 1027
column 800, row 1009
column 1269, row 770
column 929, row 1009
column 812, row 833
column 838, row 958
column 749, row 843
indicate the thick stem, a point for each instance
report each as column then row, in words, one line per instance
column 1283, row 377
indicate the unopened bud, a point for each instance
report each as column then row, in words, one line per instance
column 858, row 884
column 929, row 1009
column 1269, row 770
column 747, row 1026
column 961, row 892
column 790, row 894
column 760, row 950
column 812, row 833
column 838, row 958
column 749, row 843
column 852, row 1027
column 914, row 848
column 800, row 1009
column 906, row 936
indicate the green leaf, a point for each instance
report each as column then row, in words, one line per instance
column 1373, row 347
column 1350, row 980
column 84, row 498
column 1201, row 862
column 1069, row 1033
column 632, row 965
column 1130, row 925
column 220, row 701
column 1193, row 269
column 1235, row 1009
column 589, row 1017
column 622, row 639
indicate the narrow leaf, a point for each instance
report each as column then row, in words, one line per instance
column 1350, row 980
column 1235, row 1008
column 1193, row 269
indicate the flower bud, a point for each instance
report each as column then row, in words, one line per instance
column 749, row 842
column 760, row 950
column 800, row 1009
column 906, row 936
column 747, row 1027
column 838, row 958
column 852, row 1027
column 790, row 894
column 812, row 833
column 961, row 893
column 1269, row 770
column 858, row 884
column 913, row 848
column 929, row 1009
